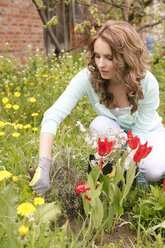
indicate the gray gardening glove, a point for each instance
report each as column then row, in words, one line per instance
column 40, row 181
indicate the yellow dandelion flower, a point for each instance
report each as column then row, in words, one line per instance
column 34, row 114
column 27, row 126
column 5, row 100
column 17, row 94
column 56, row 78
column 8, row 94
column 20, row 126
column 38, row 94
column 4, row 175
column 2, row 92
column 39, row 201
column 2, row 133
column 15, row 126
column 50, row 77
column 69, row 127
column 16, row 134
column 15, row 179
column 32, row 99
column 37, row 75
column 45, row 75
column 8, row 105
column 25, row 209
column 15, row 106
column 11, row 84
column 34, row 129
column 32, row 84
column 8, row 123
column 23, row 230
column 2, row 124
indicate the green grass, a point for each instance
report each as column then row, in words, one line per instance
column 44, row 80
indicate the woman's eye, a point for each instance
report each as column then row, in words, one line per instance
column 97, row 55
column 110, row 58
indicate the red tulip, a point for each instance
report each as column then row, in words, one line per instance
column 164, row 185
column 105, row 147
column 132, row 141
column 80, row 188
column 142, row 152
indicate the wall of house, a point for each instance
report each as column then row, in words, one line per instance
column 20, row 27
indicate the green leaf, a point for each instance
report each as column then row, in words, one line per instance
column 48, row 212
column 97, row 213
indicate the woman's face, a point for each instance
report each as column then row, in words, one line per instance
column 104, row 60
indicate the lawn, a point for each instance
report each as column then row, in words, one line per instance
column 115, row 216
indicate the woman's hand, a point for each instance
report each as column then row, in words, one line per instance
column 40, row 181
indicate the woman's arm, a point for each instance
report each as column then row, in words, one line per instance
column 46, row 144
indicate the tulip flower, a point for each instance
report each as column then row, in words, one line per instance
column 132, row 141
column 164, row 185
column 81, row 188
column 142, row 152
column 104, row 148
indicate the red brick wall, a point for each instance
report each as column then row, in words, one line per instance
column 20, row 27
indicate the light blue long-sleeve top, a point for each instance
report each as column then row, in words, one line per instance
column 140, row 123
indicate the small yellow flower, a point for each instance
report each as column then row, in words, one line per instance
column 56, row 78
column 15, row 106
column 20, row 126
column 27, row 126
column 23, row 230
column 8, row 105
column 69, row 127
column 17, row 94
column 45, row 75
column 38, row 94
column 8, row 94
column 34, row 114
column 8, row 123
column 4, row 175
column 32, row 99
column 2, row 92
column 15, row 179
column 16, row 134
column 32, row 84
column 11, row 84
column 39, row 201
column 5, row 100
column 34, row 129
column 37, row 75
column 25, row 209
column 2, row 124
column 2, row 133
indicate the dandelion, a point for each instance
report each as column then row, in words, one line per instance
column 4, row 175
column 32, row 99
column 25, row 209
column 32, row 84
column 16, row 134
column 38, row 94
column 20, row 126
column 8, row 105
column 56, row 78
column 7, row 123
column 45, row 75
column 34, row 129
column 23, row 230
column 27, row 126
column 17, row 94
column 37, row 75
column 2, row 133
column 39, row 201
column 5, row 100
column 2, row 92
column 34, row 114
column 11, row 84
column 2, row 124
column 15, row 106
column 15, row 179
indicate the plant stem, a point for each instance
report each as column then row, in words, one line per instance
column 114, row 223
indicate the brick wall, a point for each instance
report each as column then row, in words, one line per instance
column 20, row 27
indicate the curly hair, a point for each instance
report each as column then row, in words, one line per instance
column 129, row 59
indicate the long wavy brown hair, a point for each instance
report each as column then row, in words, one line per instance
column 129, row 58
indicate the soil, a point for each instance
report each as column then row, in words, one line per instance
column 122, row 236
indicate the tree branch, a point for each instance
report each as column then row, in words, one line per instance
column 151, row 24
column 77, row 45
column 50, row 32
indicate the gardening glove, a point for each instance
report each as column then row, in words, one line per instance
column 40, row 181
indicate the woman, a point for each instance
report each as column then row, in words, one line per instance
column 122, row 92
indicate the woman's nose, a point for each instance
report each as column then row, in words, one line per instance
column 101, row 63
